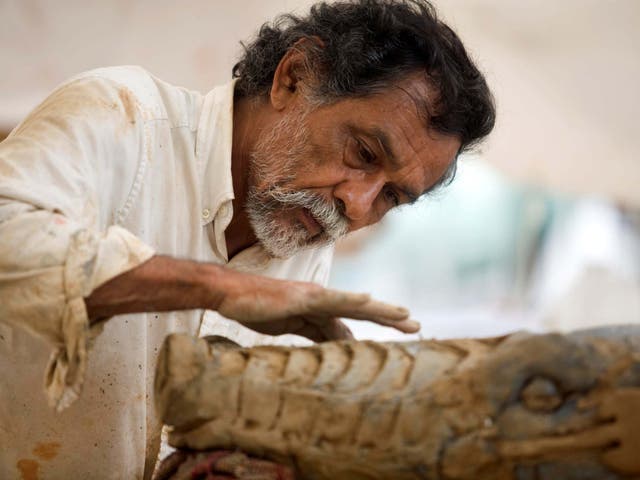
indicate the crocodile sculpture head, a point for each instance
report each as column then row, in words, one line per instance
column 518, row 407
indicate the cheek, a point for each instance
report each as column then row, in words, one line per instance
column 328, row 144
column 318, row 167
column 321, row 154
column 282, row 165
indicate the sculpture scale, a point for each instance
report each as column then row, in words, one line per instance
column 521, row 407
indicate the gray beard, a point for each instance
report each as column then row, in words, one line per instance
column 276, row 156
column 283, row 239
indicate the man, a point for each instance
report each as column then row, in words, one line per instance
column 118, row 178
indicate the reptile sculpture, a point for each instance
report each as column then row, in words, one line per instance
column 519, row 407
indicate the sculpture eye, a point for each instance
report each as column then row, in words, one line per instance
column 541, row 395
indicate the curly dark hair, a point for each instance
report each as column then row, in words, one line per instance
column 366, row 46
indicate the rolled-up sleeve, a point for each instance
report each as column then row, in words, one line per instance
column 58, row 240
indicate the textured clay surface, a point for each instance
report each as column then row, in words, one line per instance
column 522, row 407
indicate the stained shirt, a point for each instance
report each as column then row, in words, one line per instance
column 113, row 167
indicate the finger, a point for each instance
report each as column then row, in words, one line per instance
column 346, row 333
column 387, row 315
column 374, row 309
column 335, row 329
column 378, row 312
column 405, row 326
column 369, row 310
column 277, row 327
column 312, row 332
column 339, row 299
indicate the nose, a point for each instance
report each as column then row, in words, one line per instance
column 357, row 196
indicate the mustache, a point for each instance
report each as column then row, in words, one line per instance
column 329, row 214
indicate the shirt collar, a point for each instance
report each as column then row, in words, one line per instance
column 213, row 153
column 214, row 140
column 213, row 149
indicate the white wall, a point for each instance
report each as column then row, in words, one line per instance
column 565, row 73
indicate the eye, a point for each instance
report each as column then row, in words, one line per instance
column 366, row 155
column 541, row 395
column 391, row 196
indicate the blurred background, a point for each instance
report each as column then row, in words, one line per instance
column 541, row 228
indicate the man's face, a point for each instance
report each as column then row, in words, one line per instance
column 320, row 173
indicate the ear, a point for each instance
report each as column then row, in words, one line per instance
column 293, row 74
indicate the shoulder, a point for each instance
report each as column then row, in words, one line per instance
column 138, row 89
column 132, row 86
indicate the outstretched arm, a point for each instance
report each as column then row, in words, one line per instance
column 261, row 303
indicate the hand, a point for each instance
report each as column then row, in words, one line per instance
column 275, row 307
column 266, row 305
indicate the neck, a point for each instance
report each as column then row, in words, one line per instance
column 247, row 118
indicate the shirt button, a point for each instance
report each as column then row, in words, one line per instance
column 206, row 213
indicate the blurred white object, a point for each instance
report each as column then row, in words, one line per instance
column 565, row 75
column 589, row 271
column 597, row 297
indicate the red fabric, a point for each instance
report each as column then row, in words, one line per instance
column 226, row 465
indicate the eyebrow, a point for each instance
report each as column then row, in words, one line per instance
column 383, row 141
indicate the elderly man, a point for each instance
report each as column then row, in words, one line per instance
column 121, row 195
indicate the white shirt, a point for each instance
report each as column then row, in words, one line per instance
column 113, row 167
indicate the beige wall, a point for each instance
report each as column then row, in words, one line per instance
column 191, row 43
column 566, row 73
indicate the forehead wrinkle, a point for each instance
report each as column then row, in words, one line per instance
column 418, row 103
column 414, row 158
column 427, row 169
